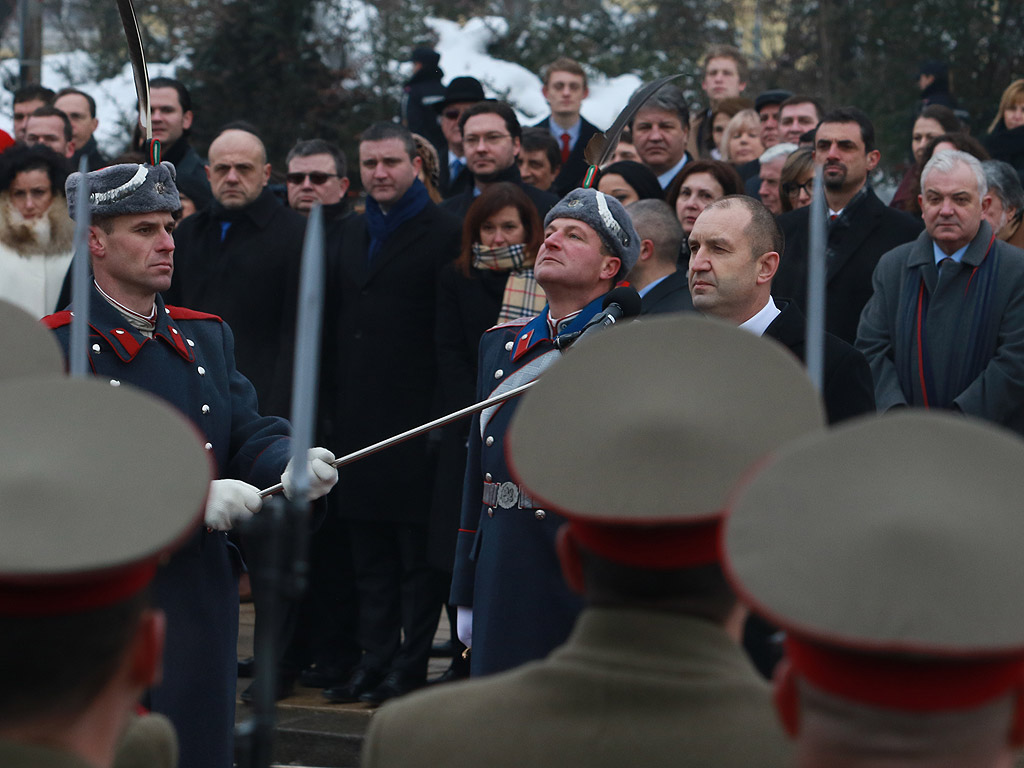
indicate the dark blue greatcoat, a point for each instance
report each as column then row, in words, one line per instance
column 506, row 565
column 190, row 363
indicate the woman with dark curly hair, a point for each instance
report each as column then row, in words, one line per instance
column 36, row 233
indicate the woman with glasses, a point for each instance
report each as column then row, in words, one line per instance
column 796, row 180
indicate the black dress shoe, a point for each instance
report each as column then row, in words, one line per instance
column 457, row 670
column 246, row 667
column 324, row 676
column 443, row 650
column 397, row 683
column 361, row 681
column 285, row 688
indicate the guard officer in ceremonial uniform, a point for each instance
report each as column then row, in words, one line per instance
column 666, row 417
column 889, row 550
column 98, row 485
column 186, row 358
column 513, row 605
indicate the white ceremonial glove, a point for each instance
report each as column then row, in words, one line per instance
column 322, row 476
column 231, row 502
column 464, row 625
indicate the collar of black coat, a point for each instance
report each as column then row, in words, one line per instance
column 258, row 212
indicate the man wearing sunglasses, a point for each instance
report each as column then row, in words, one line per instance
column 460, row 95
column 316, row 174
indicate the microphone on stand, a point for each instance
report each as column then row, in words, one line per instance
column 622, row 302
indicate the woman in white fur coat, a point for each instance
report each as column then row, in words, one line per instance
column 36, row 232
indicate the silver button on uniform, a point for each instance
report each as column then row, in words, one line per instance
column 508, row 346
column 95, row 347
column 490, row 511
column 487, row 477
column 208, row 446
column 205, row 409
column 540, row 514
column 499, row 373
column 489, row 441
column 202, row 371
column 115, row 383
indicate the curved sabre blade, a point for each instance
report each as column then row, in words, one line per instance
column 602, row 145
column 138, row 59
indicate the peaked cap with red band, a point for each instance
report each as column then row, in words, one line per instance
column 639, row 435
column 96, row 485
column 890, row 551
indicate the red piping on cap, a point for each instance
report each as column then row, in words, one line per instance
column 74, row 593
column 902, row 683
column 661, row 547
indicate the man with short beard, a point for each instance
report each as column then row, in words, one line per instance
column 860, row 229
column 491, row 140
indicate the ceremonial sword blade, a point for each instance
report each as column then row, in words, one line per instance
column 78, row 353
column 602, row 145
column 137, row 56
column 306, row 368
column 816, row 257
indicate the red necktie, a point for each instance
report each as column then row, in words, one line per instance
column 833, row 216
column 565, row 148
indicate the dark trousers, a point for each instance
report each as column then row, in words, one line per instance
column 328, row 616
column 398, row 606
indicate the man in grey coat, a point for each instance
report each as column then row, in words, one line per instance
column 945, row 326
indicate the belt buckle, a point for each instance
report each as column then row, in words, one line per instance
column 508, row 495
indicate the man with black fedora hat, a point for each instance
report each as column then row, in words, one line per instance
column 896, row 575
column 460, row 95
column 513, row 606
column 186, row 358
column 664, row 418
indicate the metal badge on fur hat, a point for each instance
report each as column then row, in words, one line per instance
column 127, row 188
column 607, row 217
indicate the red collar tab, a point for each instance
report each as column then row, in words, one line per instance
column 659, row 547
column 522, row 344
column 903, row 683
column 74, row 593
column 176, row 339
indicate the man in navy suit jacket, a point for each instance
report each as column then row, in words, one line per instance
column 565, row 88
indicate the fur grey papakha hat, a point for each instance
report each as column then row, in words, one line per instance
column 608, row 218
column 127, row 188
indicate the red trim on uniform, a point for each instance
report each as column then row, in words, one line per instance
column 904, row 683
column 650, row 546
column 126, row 340
column 466, row 530
column 75, row 593
column 522, row 344
column 57, row 319
column 181, row 313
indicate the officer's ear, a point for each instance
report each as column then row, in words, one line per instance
column 786, row 697
column 569, row 557
column 97, row 242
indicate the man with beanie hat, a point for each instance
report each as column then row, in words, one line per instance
column 637, row 438
column 186, row 358
column 513, row 606
column 421, row 93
